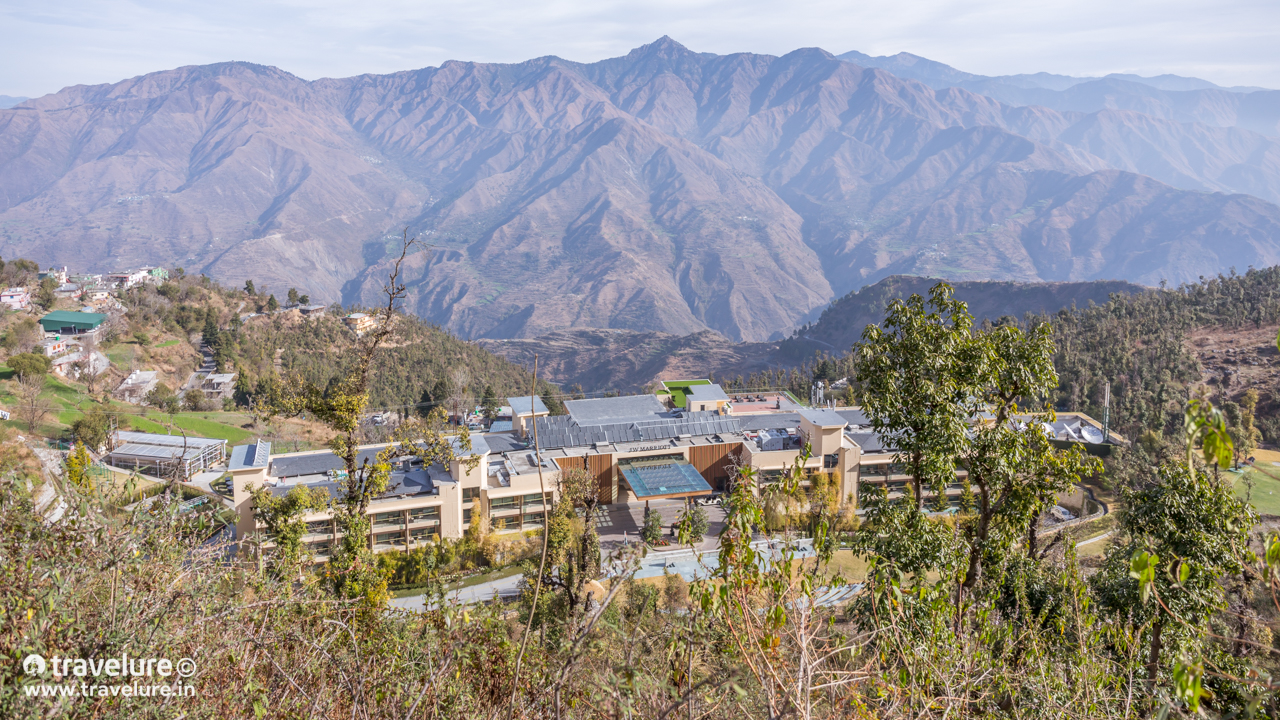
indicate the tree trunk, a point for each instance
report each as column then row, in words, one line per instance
column 984, row 531
column 1153, row 658
column 917, row 459
column 1032, row 541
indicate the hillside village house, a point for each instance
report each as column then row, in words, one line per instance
column 59, row 275
column 15, row 298
column 634, row 448
column 135, row 387
column 53, row 347
column 360, row 323
column 218, row 385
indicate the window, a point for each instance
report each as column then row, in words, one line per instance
column 423, row 535
column 533, row 501
column 466, row 516
column 320, row 548
column 830, row 461
column 429, row 514
column 507, row 503
column 388, row 518
column 533, row 520
column 470, row 495
column 319, row 527
column 394, row 538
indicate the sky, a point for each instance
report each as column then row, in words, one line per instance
column 45, row 46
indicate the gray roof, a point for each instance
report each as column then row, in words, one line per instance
column 854, row 416
column 823, row 417
column 561, row 431
column 769, row 421
column 250, row 456
column 502, row 442
column 614, row 410
column 706, row 393
column 284, row 466
column 521, row 406
column 870, row 442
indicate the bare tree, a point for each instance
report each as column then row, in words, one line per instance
column 84, row 367
column 31, row 407
column 461, row 399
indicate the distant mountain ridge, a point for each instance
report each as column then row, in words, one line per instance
column 8, row 101
column 939, row 75
column 1165, row 97
column 664, row 191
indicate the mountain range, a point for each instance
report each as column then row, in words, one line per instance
column 664, row 191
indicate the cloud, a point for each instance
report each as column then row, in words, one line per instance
column 46, row 46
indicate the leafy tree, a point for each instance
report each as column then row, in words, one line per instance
column 162, row 398
column 293, row 296
column 695, row 518
column 917, row 380
column 30, row 364
column 1014, row 467
column 304, row 299
column 573, row 552
column 22, row 336
column 1176, row 539
column 248, row 288
column 44, row 295
column 93, row 428
column 651, row 531
column 77, row 467
column 272, row 304
column 282, row 515
column 142, row 338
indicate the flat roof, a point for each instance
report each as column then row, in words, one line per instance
column 613, row 410
column 823, row 417
column 527, row 405
column 710, row 392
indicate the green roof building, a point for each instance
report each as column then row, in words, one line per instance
column 65, row 322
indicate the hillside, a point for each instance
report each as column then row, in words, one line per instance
column 664, row 191
column 841, row 324
column 188, row 322
column 601, row 360
column 628, row 361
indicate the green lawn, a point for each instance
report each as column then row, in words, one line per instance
column 679, row 389
column 168, row 343
column 196, row 424
column 1266, row 488
column 121, row 354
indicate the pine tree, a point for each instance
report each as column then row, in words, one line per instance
column 652, row 530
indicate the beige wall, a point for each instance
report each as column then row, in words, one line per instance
column 243, row 501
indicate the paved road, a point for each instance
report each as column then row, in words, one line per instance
column 508, row 587
column 688, row 564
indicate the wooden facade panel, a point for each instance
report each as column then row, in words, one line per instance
column 600, row 468
column 714, row 462
column 567, row 462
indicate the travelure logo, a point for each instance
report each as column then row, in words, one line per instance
column 34, row 665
